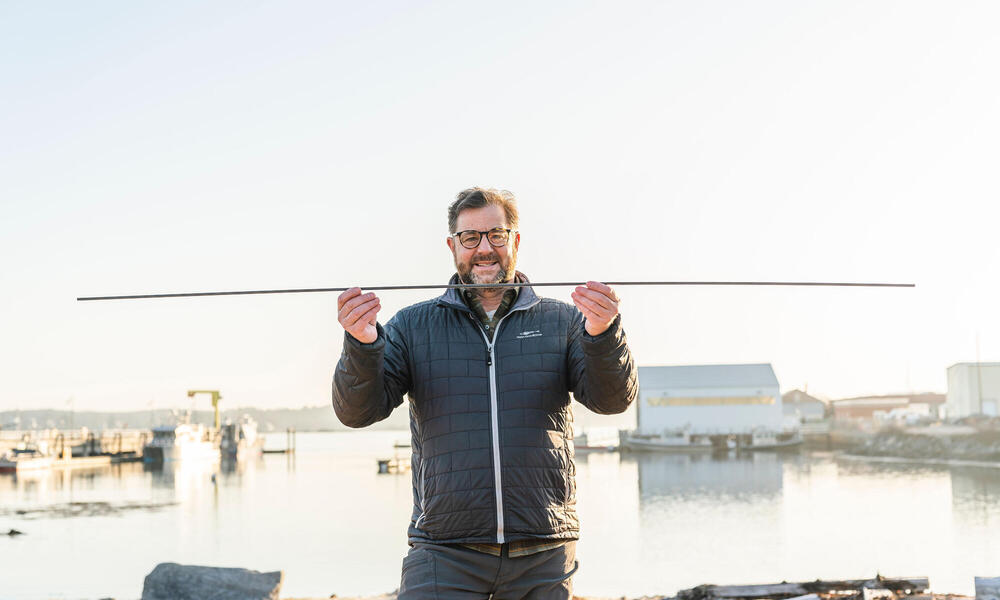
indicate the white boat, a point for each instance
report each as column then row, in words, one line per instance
column 180, row 442
column 19, row 460
column 762, row 439
column 240, row 441
column 674, row 441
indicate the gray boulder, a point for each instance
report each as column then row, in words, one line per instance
column 171, row 581
column 987, row 588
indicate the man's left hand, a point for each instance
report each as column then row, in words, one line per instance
column 599, row 305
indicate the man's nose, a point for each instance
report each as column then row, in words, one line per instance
column 484, row 247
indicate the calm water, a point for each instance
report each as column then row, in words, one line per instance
column 651, row 523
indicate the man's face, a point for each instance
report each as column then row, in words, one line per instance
column 484, row 263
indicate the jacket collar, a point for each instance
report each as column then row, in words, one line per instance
column 526, row 297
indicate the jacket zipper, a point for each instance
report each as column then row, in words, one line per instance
column 494, row 422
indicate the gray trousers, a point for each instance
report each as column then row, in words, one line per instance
column 449, row 572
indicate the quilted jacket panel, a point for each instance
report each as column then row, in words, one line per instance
column 435, row 353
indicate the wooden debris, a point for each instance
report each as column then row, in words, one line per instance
column 886, row 587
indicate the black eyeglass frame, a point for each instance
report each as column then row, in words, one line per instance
column 480, row 234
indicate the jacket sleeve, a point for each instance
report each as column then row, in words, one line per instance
column 603, row 376
column 371, row 379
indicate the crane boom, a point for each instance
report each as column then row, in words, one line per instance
column 216, row 396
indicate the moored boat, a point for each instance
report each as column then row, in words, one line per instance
column 762, row 439
column 240, row 441
column 180, row 442
column 25, row 459
column 674, row 441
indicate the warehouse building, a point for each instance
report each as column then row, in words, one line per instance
column 708, row 399
column 803, row 407
column 925, row 405
column 973, row 389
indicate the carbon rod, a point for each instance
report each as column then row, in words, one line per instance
column 497, row 285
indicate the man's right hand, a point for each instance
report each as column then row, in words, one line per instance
column 356, row 313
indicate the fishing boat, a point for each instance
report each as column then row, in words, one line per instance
column 241, row 441
column 674, row 441
column 29, row 458
column 181, row 442
column 763, row 439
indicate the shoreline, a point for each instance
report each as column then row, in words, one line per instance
column 946, row 462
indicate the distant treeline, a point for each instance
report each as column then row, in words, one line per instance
column 310, row 418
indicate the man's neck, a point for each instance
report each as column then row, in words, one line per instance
column 490, row 299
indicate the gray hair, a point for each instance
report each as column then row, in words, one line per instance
column 478, row 197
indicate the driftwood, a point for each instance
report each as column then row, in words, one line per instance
column 782, row 591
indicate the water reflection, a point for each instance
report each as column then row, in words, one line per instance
column 173, row 482
column 744, row 476
column 651, row 523
column 39, row 486
column 975, row 495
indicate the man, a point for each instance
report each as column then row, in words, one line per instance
column 488, row 372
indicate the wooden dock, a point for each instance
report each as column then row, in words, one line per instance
column 80, row 441
column 290, row 444
column 77, row 449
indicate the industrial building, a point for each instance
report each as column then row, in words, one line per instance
column 708, row 399
column 800, row 405
column 973, row 389
column 888, row 407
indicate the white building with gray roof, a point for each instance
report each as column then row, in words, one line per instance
column 973, row 389
column 708, row 399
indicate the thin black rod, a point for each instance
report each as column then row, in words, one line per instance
column 495, row 285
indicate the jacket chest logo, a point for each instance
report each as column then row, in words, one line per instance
column 533, row 333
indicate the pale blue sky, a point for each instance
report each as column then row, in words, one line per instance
column 189, row 146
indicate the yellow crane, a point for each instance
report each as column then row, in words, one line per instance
column 216, row 396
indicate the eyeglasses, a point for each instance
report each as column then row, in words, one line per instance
column 470, row 238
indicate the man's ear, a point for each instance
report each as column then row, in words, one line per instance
column 451, row 243
column 517, row 241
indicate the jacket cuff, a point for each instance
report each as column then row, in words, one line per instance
column 352, row 344
column 612, row 332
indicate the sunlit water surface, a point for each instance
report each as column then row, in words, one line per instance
column 651, row 523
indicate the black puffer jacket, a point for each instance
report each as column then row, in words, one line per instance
column 491, row 422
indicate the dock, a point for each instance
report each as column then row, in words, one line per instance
column 394, row 465
column 398, row 463
column 290, row 443
column 82, row 442
column 76, row 449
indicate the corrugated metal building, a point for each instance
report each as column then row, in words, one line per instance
column 973, row 389
column 708, row 399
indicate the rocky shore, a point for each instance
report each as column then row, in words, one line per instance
column 392, row 596
column 172, row 581
column 934, row 443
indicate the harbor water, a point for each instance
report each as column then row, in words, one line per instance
column 652, row 523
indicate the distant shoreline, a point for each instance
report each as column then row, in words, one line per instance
column 948, row 462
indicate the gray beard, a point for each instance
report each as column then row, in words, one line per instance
column 504, row 276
